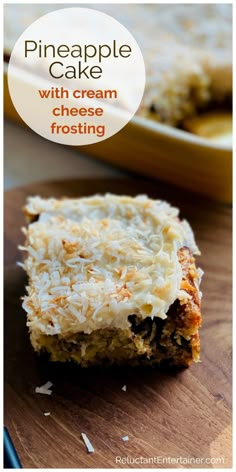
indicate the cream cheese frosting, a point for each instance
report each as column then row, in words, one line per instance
column 94, row 261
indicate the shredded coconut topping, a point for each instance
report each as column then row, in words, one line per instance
column 94, row 261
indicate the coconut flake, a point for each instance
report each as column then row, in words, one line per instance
column 47, row 413
column 87, row 443
column 125, row 438
column 44, row 389
column 124, row 388
column 47, row 385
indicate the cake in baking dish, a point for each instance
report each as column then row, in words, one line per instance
column 111, row 279
column 187, row 50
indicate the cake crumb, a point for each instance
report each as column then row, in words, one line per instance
column 219, row 397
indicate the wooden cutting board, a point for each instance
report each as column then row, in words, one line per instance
column 166, row 414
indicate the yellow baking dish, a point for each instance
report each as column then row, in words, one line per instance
column 156, row 150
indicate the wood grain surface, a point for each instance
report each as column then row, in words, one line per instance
column 166, row 414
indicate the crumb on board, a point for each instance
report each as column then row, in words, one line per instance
column 125, row 438
column 219, row 397
column 87, row 443
column 47, row 413
column 44, row 389
column 124, row 388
